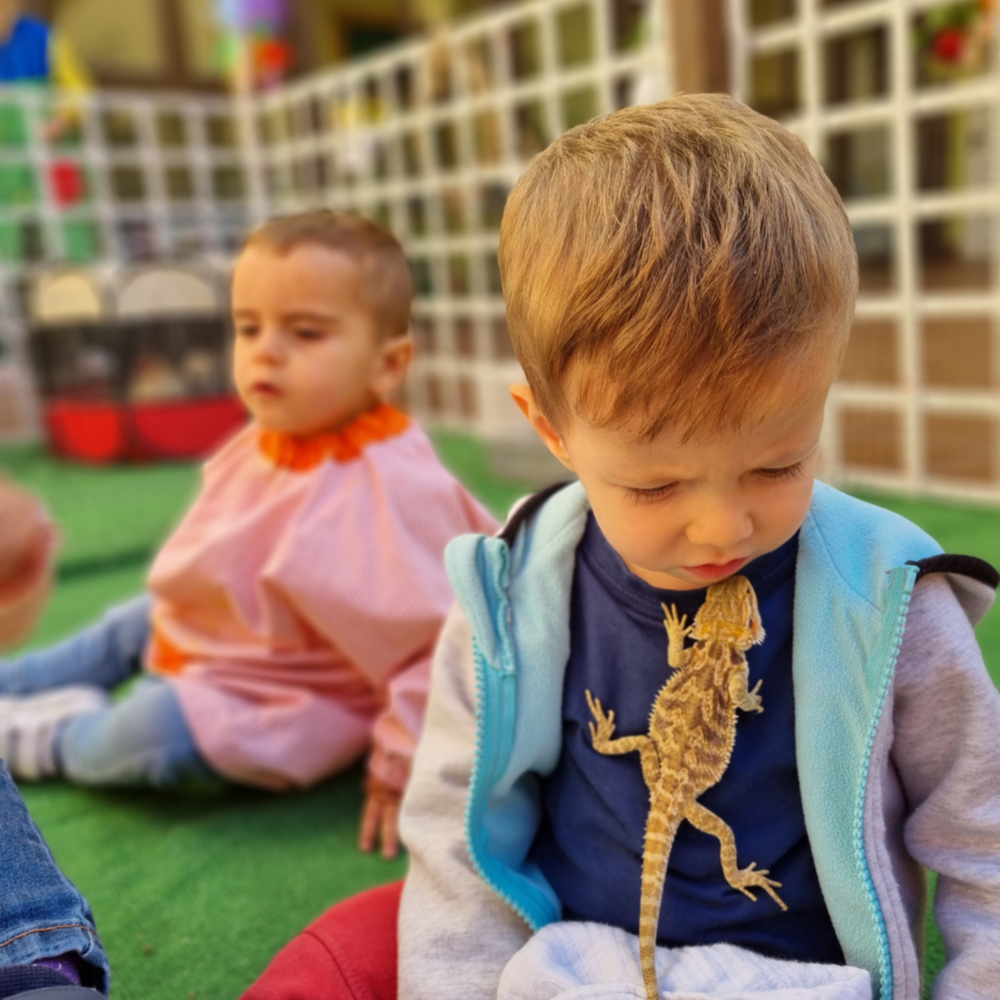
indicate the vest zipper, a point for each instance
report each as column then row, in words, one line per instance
column 900, row 588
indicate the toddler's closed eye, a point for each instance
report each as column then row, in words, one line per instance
column 649, row 495
column 788, row 472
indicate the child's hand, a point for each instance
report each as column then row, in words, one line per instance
column 23, row 530
column 380, row 817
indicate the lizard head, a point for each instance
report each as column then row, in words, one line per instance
column 730, row 611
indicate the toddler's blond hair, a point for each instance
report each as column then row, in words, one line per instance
column 663, row 263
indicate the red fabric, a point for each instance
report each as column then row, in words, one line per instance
column 348, row 954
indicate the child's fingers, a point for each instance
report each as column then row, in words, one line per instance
column 369, row 825
column 390, row 829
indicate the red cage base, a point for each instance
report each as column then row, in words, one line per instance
column 177, row 429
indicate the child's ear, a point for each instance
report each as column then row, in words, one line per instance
column 394, row 360
column 551, row 438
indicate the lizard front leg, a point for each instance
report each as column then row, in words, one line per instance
column 743, row 879
column 603, row 743
column 739, row 689
column 677, row 631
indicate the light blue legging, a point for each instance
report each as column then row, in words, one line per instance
column 141, row 740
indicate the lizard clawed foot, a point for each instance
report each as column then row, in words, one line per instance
column 752, row 701
column 750, row 876
column 605, row 728
column 677, row 627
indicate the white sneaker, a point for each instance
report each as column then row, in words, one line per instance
column 28, row 726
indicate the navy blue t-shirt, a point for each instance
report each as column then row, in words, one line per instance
column 589, row 845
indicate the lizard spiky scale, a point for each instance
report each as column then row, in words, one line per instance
column 692, row 729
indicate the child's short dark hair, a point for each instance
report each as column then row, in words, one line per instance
column 388, row 288
column 657, row 262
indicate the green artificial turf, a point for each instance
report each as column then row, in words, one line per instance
column 194, row 893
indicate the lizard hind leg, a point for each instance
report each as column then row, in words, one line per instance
column 742, row 879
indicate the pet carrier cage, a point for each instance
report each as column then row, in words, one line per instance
column 132, row 365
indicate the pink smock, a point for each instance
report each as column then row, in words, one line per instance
column 297, row 604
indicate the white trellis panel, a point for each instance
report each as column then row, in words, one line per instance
column 429, row 138
column 138, row 176
column 915, row 152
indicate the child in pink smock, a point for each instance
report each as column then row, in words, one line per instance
column 292, row 614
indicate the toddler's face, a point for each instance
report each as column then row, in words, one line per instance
column 683, row 515
column 307, row 355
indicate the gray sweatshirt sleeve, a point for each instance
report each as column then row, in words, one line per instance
column 455, row 934
column 946, row 751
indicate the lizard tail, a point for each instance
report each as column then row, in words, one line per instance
column 661, row 827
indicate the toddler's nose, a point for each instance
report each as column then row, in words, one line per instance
column 721, row 525
column 268, row 345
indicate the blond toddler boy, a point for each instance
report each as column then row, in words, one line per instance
column 680, row 281
column 292, row 614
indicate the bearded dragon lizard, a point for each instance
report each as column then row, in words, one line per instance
column 692, row 730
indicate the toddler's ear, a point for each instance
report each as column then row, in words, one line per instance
column 395, row 358
column 525, row 400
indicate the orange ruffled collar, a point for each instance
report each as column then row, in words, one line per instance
column 300, row 454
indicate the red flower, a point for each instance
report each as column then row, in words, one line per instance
column 948, row 44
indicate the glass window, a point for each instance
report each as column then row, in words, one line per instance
column 171, row 129
column 957, row 352
column 630, row 23
column 872, row 356
column 876, row 246
column 955, row 253
column 774, row 83
column 529, row 129
column 486, row 137
column 960, row 447
column 425, row 334
column 858, row 162
column 493, row 198
column 446, row 145
column 872, row 439
column 525, row 51
column 453, row 211
column 179, row 183
column 465, row 337
column 952, row 42
column 220, row 131
column 857, row 66
column 575, row 31
column 762, row 12
column 127, row 183
column 479, row 65
column 579, row 106
column 953, row 150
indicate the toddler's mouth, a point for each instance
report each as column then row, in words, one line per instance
column 265, row 389
column 717, row 571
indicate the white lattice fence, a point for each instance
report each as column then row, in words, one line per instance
column 430, row 137
column 900, row 100
column 132, row 177
column 427, row 137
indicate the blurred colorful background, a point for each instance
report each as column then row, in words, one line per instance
column 131, row 168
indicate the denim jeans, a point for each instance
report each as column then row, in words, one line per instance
column 142, row 740
column 42, row 915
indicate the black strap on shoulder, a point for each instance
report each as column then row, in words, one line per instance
column 971, row 566
column 525, row 511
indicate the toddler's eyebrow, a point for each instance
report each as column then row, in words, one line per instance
column 311, row 317
column 790, row 457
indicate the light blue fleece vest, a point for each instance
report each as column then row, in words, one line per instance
column 852, row 593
